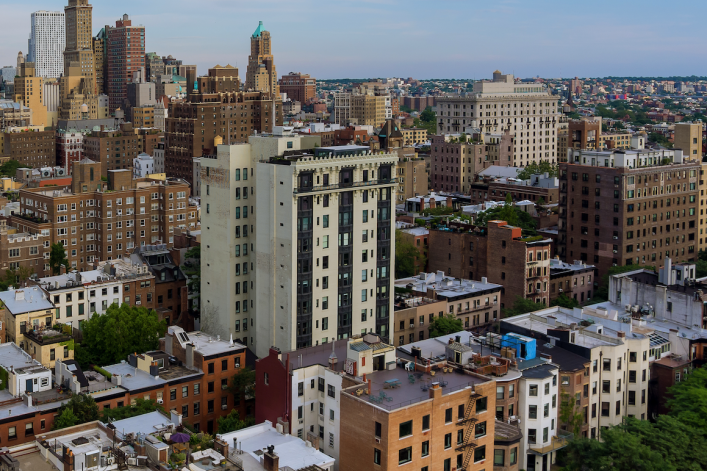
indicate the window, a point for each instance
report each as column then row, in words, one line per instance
column 479, row 453
column 500, row 392
column 532, row 436
column 12, row 433
column 533, row 390
column 448, row 441
column 481, row 405
column 532, row 412
column 425, row 423
column 448, row 464
column 376, row 456
column 425, row 448
column 331, row 391
column 405, row 455
column 448, row 415
column 378, row 428
column 499, row 457
column 300, row 389
column 406, row 429
column 480, row 430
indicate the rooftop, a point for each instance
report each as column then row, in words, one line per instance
column 24, row 300
column 416, row 231
column 207, row 345
column 292, row 451
column 557, row 266
column 12, row 356
column 447, row 287
column 144, row 424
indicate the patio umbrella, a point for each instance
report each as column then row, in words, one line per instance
column 179, row 438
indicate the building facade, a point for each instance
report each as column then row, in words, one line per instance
column 528, row 110
column 261, row 75
column 124, row 41
column 299, row 87
column 46, row 43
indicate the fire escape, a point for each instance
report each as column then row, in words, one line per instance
column 469, row 421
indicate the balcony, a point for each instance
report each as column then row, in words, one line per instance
column 339, row 186
column 557, row 442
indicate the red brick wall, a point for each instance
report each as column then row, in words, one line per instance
column 274, row 398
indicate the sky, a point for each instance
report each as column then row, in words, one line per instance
column 455, row 39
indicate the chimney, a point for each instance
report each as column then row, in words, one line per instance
column 333, row 360
column 435, row 391
column 369, row 387
column 190, row 356
column 271, row 462
column 63, row 269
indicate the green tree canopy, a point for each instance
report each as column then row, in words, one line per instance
column 522, row 305
column 111, row 337
column 9, row 168
column 445, row 325
column 192, row 268
column 564, row 301
column 141, row 406
column 407, row 256
column 535, row 168
column 57, row 258
column 688, row 401
column 233, row 422
column 81, row 408
column 242, row 384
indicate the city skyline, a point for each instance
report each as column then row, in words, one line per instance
column 536, row 40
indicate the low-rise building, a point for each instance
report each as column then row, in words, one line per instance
column 143, row 166
column 26, row 310
column 476, row 303
column 575, row 280
column 413, row 316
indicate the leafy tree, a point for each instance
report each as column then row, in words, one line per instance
column 564, row 301
column 111, row 337
column 10, row 167
column 509, row 213
column 570, row 414
column 688, row 400
column 407, row 257
column 57, row 258
column 81, row 408
column 233, row 422
column 141, row 406
column 535, row 168
column 65, row 419
column 192, row 268
column 523, row 305
column 659, row 139
column 445, row 325
column 242, row 384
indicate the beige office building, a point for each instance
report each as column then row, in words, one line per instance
column 369, row 110
column 528, row 109
column 688, row 137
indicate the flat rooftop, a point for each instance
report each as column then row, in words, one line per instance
column 29, row 299
column 208, row 345
column 411, row 392
column 145, row 424
column 13, row 356
column 292, row 451
column 447, row 287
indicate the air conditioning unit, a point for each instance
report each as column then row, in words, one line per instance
column 160, row 401
column 537, row 291
column 132, row 461
column 110, row 460
column 137, row 303
column 616, row 251
column 224, row 407
column 616, row 237
column 560, row 290
column 59, row 172
column 301, row 421
column 378, row 440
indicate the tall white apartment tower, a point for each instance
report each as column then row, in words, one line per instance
column 325, row 239
column 46, row 43
column 528, row 109
column 228, row 214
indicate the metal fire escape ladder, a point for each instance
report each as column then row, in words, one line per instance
column 469, row 421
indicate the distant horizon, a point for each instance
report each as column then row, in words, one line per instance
column 386, row 38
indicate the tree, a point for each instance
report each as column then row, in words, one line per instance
column 564, row 301
column 687, row 400
column 242, row 385
column 570, row 414
column 111, row 337
column 81, row 408
column 67, row 418
column 141, row 406
column 57, row 258
column 523, row 305
column 445, row 325
column 407, row 257
column 536, row 168
column 192, row 268
column 10, row 167
column 233, row 422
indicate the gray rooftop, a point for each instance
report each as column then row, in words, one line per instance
column 144, row 424
column 13, row 356
column 207, row 345
column 25, row 300
column 447, row 287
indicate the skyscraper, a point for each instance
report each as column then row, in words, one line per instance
column 79, row 40
column 46, row 43
column 261, row 75
column 77, row 86
column 125, row 55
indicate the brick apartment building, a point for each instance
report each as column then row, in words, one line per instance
column 455, row 164
column 22, row 249
column 170, row 284
column 31, row 148
column 628, row 207
column 98, row 220
column 418, row 103
column 534, row 189
column 125, row 53
column 114, row 149
column 574, row 280
column 298, row 86
column 215, row 113
column 495, row 254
